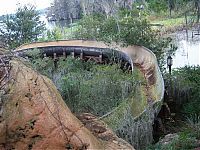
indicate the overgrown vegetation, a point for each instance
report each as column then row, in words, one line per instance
column 189, row 87
column 127, row 30
column 184, row 90
column 187, row 140
column 87, row 86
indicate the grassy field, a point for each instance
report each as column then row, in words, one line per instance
column 170, row 22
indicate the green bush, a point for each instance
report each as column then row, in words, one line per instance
column 125, row 29
column 186, row 141
column 22, row 27
column 184, row 89
column 188, row 80
column 87, row 86
column 158, row 6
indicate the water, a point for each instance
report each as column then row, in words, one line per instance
column 52, row 24
column 48, row 25
column 188, row 52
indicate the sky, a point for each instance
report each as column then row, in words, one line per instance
column 9, row 6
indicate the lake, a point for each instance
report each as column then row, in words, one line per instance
column 188, row 52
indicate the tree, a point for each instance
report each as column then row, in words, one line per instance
column 133, row 31
column 65, row 10
column 23, row 27
column 74, row 9
column 157, row 6
column 171, row 5
column 197, row 6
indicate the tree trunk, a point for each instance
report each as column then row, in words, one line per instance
column 197, row 4
column 171, row 6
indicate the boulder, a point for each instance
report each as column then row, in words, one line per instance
column 169, row 138
column 33, row 115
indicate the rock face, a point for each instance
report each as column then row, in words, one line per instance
column 34, row 116
column 101, row 131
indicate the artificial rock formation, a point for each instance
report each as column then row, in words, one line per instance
column 34, row 116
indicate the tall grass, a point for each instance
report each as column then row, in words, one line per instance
column 87, row 86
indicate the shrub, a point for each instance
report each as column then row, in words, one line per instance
column 126, row 29
column 87, row 86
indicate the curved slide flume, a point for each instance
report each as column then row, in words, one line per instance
column 136, row 56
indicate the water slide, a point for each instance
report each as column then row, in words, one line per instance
column 135, row 129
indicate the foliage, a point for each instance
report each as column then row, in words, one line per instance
column 176, row 8
column 171, row 22
column 157, row 6
column 55, row 34
column 128, row 30
column 97, row 91
column 186, row 140
column 89, row 27
column 188, row 78
column 73, row 9
column 59, row 33
column 52, row 35
column 86, row 86
column 22, row 27
column 45, row 65
column 194, row 125
column 184, row 90
column 64, row 9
